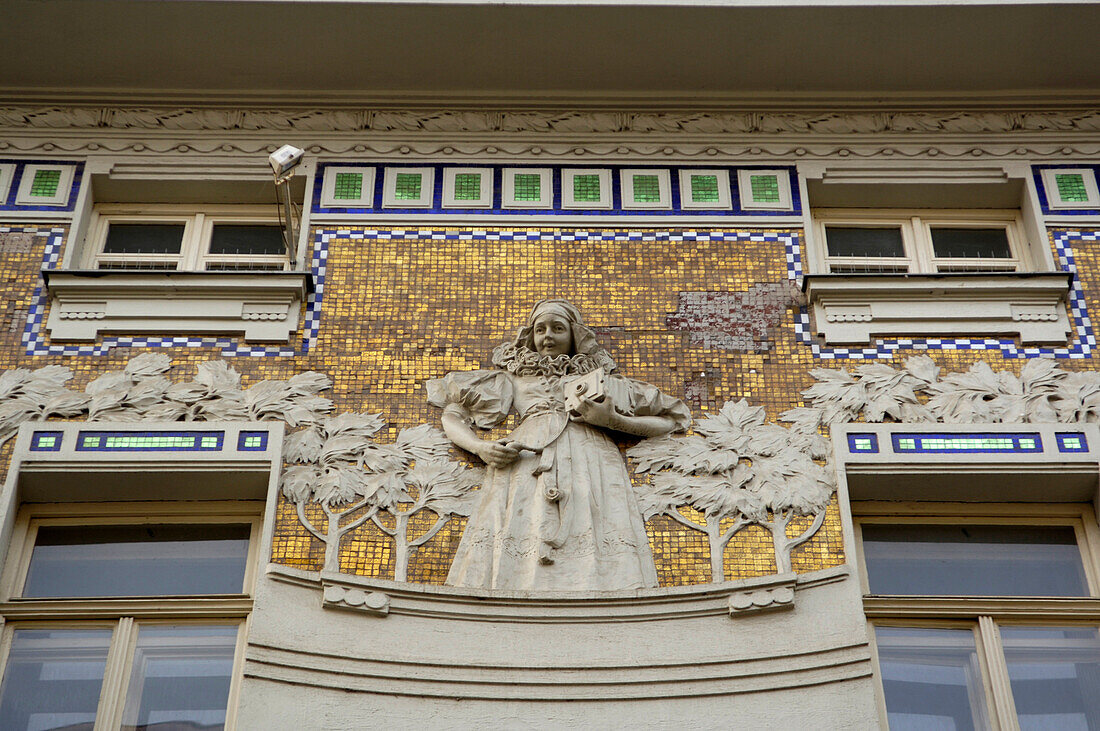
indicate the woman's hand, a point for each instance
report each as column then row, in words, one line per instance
column 597, row 413
column 498, row 454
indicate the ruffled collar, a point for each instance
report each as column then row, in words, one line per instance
column 522, row 361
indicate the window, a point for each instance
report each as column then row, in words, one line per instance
column 126, row 616
column 215, row 238
column 983, row 616
column 864, row 241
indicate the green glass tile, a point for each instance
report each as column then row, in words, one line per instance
column 1027, row 443
column 528, row 187
column 209, row 442
column 1071, row 188
column 45, row 183
column 647, row 189
column 407, row 186
column 348, row 186
column 907, row 443
column 704, row 188
column 46, row 441
column 251, row 441
column 1069, row 443
column 91, row 441
column 468, row 187
column 765, row 188
column 586, row 188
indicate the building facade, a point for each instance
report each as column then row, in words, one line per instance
column 851, row 249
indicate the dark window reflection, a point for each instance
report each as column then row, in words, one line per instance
column 137, row 560
column 973, row 560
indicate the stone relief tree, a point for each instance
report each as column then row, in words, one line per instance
column 875, row 392
column 737, row 468
column 335, row 465
column 443, row 487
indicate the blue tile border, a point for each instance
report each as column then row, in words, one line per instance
column 245, row 436
column 1072, row 442
column 1082, row 345
column 201, row 441
column 8, row 204
column 497, row 208
column 939, row 442
column 36, row 342
column 863, row 443
column 1044, row 200
column 46, row 441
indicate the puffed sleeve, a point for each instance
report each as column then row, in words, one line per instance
column 481, row 397
column 647, row 400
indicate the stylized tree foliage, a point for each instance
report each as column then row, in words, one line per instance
column 1043, row 393
column 336, row 466
column 141, row 392
column 27, row 395
column 737, row 468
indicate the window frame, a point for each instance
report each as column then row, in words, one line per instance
column 198, row 221
column 916, row 232
column 126, row 615
column 983, row 615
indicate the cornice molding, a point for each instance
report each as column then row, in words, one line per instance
column 182, row 119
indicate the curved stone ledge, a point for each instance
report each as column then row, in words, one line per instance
column 515, row 682
column 765, row 593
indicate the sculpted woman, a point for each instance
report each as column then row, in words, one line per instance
column 556, row 510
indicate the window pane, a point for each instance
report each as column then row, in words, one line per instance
column 137, row 560
column 973, row 560
column 845, row 241
column 1055, row 675
column 247, row 240
column 971, row 243
column 181, row 677
column 931, row 679
column 144, row 238
column 53, row 679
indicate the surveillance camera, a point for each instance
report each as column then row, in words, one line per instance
column 285, row 159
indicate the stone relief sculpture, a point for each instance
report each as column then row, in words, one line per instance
column 556, row 510
column 141, row 392
column 738, row 470
column 1042, row 393
column 335, row 466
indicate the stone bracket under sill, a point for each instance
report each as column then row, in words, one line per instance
column 851, row 309
column 261, row 306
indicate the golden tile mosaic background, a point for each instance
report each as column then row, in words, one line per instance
column 398, row 312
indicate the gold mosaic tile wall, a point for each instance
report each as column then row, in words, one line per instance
column 398, row 312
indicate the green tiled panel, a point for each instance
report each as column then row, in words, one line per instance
column 407, row 186
column 348, row 186
column 45, row 183
column 647, row 189
column 765, row 188
column 1071, row 188
column 468, row 187
column 528, row 187
column 704, row 189
column 586, row 188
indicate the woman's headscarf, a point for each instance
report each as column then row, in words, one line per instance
column 521, row 357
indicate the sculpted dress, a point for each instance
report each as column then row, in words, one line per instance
column 565, row 519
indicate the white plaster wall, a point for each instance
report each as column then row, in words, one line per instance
column 310, row 667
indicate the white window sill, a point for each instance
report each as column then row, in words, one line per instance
column 853, row 308
column 263, row 306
